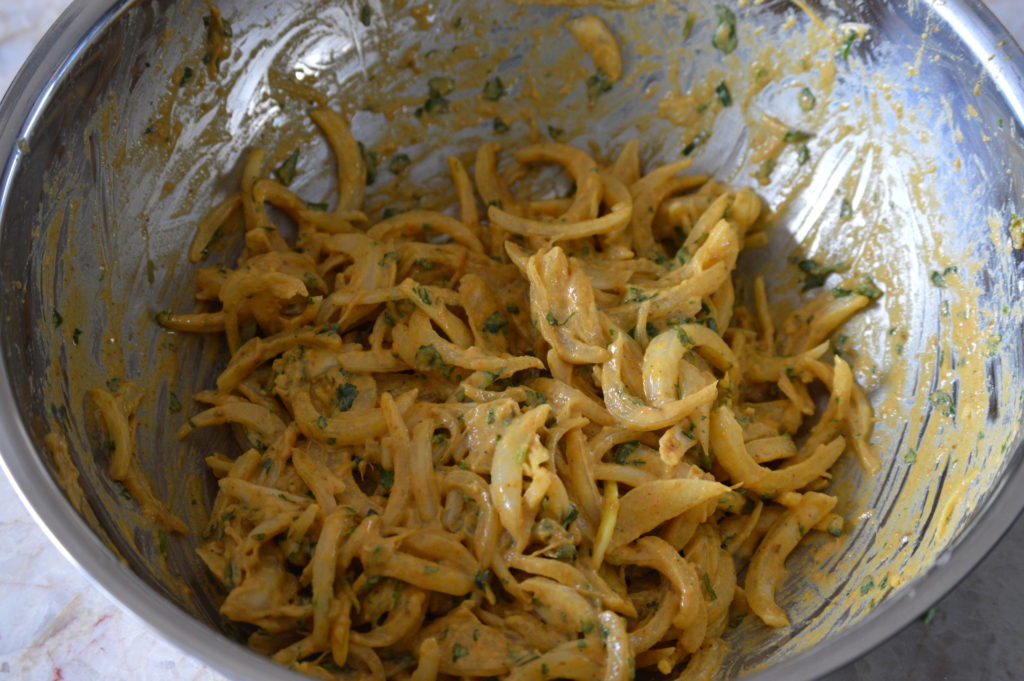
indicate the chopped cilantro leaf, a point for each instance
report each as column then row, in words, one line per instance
column 494, row 89
column 723, row 94
column 807, row 99
column 624, row 450
column 710, row 589
column 398, row 163
column 285, row 172
column 346, row 394
column 944, row 402
column 803, row 155
column 597, row 85
column 724, row 38
column 495, row 323
column 698, row 140
column 815, row 274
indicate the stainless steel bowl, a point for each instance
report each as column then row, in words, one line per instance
column 113, row 151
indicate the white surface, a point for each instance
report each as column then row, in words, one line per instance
column 55, row 626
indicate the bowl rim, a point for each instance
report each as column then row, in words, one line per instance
column 53, row 59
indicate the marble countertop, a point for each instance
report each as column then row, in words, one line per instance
column 55, row 626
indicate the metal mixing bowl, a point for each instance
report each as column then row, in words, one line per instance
column 113, row 151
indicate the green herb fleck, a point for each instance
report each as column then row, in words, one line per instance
column 495, row 323
column 286, row 171
column 803, row 155
column 398, row 163
column 939, row 278
column 867, row 586
column 636, row 295
column 553, row 321
column 423, row 294
column 992, row 344
column 794, row 135
column 365, row 14
column 436, row 102
column 868, row 289
column 346, row 394
column 851, row 35
column 162, row 543
column 724, row 38
column 387, row 478
column 597, row 85
column 700, row 139
column 57, row 318
column 710, row 589
column 76, row 335
column 186, row 75
column 499, row 125
column 173, row 403
column 807, row 99
column 845, row 210
column 458, row 652
column 1017, row 230
column 555, row 132
column 691, row 17
column 429, row 358
column 150, row 271
column 369, row 162
column 684, row 338
column 928, row 616
column 944, row 402
column 815, row 274
column 723, row 94
column 494, row 89
column 571, row 516
column 624, row 450
column 566, row 552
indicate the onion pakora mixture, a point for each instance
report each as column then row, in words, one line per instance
column 537, row 442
